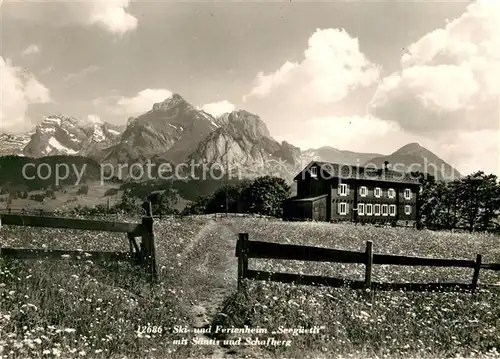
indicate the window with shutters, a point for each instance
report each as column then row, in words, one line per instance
column 369, row 209
column 407, row 210
column 314, row 171
column 384, row 209
column 378, row 192
column 363, row 191
column 361, row 209
column 391, row 193
column 342, row 189
column 343, row 208
column 392, row 210
column 407, row 193
column 376, row 209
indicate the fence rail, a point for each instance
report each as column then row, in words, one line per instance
column 70, row 223
column 140, row 253
column 246, row 249
column 62, row 254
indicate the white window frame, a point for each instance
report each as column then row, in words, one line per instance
column 408, row 191
column 392, row 207
column 386, row 207
column 391, row 191
column 363, row 191
column 361, row 209
column 343, row 213
column 375, row 207
column 407, row 210
column 314, row 171
column 370, row 211
column 378, row 192
column 343, row 186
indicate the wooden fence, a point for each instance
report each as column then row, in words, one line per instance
column 246, row 249
column 23, row 211
column 142, row 253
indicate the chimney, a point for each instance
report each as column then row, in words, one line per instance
column 386, row 165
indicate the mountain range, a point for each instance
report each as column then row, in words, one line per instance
column 176, row 132
column 60, row 135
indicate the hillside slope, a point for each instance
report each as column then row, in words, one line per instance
column 414, row 157
column 334, row 155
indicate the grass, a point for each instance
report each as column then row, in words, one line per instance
column 70, row 310
column 67, row 198
column 84, row 309
column 380, row 324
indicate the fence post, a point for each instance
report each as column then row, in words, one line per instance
column 131, row 247
column 135, row 250
column 148, row 245
column 241, row 247
column 476, row 273
column 369, row 264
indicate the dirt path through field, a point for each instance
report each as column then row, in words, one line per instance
column 211, row 274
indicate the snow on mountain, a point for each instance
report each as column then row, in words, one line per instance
column 60, row 135
column 13, row 144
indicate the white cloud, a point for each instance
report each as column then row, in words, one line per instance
column 428, row 98
column 111, row 15
column 450, row 78
column 472, row 150
column 142, row 102
column 46, row 70
column 80, row 74
column 114, row 17
column 31, row 50
column 18, row 90
column 93, row 119
column 448, row 89
column 467, row 151
column 333, row 66
column 218, row 108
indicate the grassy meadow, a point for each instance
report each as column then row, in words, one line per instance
column 87, row 310
column 378, row 324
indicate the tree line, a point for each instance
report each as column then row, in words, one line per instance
column 471, row 202
column 265, row 195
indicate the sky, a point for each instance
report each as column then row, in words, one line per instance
column 355, row 75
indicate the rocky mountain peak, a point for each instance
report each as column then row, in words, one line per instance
column 171, row 130
column 173, row 101
column 243, row 141
column 244, row 122
column 411, row 148
column 56, row 121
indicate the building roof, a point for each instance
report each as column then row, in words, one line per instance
column 307, row 199
column 335, row 170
